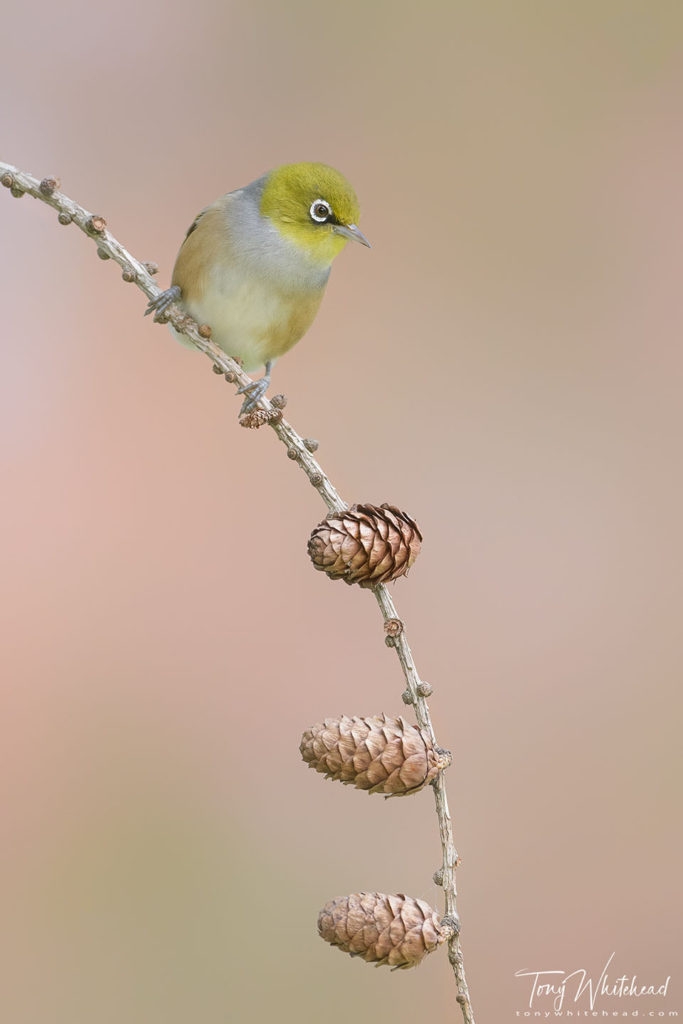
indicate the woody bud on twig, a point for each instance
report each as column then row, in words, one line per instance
column 254, row 419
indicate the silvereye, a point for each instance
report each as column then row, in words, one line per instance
column 255, row 263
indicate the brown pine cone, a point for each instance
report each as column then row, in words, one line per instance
column 378, row 754
column 396, row 930
column 368, row 544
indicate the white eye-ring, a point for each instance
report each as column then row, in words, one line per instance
column 320, row 211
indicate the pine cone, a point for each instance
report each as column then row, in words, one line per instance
column 368, row 544
column 396, row 930
column 254, row 419
column 378, row 754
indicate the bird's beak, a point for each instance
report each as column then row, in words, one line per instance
column 352, row 232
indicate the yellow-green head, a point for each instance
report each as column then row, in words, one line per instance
column 313, row 206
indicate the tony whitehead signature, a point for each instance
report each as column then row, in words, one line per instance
column 560, row 985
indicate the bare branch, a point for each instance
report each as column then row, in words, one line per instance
column 300, row 450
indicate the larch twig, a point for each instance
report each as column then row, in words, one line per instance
column 137, row 272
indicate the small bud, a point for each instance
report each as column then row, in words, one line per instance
column 230, row 377
column 390, row 641
column 451, row 923
column 275, row 415
column 205, row 332
column 254, row 419
column 103, row 255
column 7, row 179
column 151, row 268
column 279, row 401
column 49, row 185
column 444, row 761
column 316, row 479
column 64, row 218
column 424, row 689
column 16, row 191
column 292, row 454
column 96, row 224
column 129, row 274
column 393, row 627
column 310, row 444
column 407, row 697
column 216, row 369
column 438, row 876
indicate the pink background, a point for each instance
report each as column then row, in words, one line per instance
column 505, row 364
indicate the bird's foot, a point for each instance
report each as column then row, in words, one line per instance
column 253, row 393
column 165, row 299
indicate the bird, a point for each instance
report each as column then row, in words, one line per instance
column 254, row 264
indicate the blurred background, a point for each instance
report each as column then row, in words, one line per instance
column 505, row 364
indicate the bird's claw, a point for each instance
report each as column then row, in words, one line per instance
column 253, row 393
column 162, row 302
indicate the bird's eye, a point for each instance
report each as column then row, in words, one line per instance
column 320, row 211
